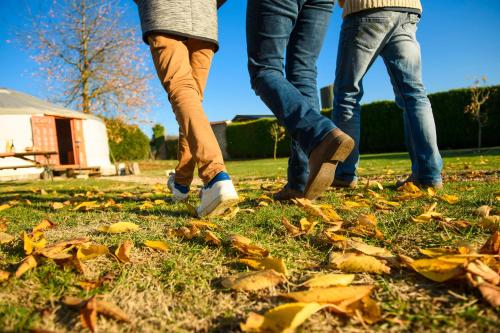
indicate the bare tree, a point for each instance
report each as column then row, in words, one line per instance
column 91, row 56
column 278, row 133
column 479, row 96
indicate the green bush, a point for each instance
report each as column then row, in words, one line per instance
column 126, row 142
column 172, row 147
column 252, row 140
column 382, row 127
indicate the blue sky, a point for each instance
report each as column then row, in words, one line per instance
column 459, row 40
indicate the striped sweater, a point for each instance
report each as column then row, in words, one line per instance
column 354, row 6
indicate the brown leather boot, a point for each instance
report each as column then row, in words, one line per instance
column 334, row 148
column 287, row 194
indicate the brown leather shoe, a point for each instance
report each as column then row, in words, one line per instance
column 323, row 161
column 343, row 184
column 287, row 194
column 412, row 179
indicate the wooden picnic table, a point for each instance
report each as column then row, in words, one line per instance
column 25, row 155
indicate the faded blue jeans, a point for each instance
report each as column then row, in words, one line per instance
column 288, row 86
column 392, row 35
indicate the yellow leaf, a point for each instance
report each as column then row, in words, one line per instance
column 90, row 251
column 283, row 318
column 483, row 211
column 307, row 226
column 4, row 207
column 373, row 184
column 146, row 205
column 353, row 263
column 86, row 206
column 28, row 263
column 203, row 224
column 251, row 281
column 366, row 225
column 265, row 263
column 431, row 192
column 333, row 237
column 409, row 187
column 185, row 232
column 56, row 205
column 211, row 238
column 491, row 222
column 5, row 238
column 44, row 225
column 438, row 252
column 349, row 205
column 191, row 210
column 328, row 280
column 451, row 199
column 369, row 249
column 339, row 295
column 119, row 227
column 4, row 275
column 439, row 269
column 324, row 212
column 293, row 230
column 245, row 246
column 159, row 202
column 157, row 245
column 30, row 244
column 123, row 251
column 231, row 213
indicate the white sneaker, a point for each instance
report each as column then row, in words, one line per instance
column 215, row 200
column 177, row 195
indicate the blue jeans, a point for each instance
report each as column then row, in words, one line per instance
column 392, row 35
column 297, row 28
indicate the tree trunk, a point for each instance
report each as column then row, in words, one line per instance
column 275, row 148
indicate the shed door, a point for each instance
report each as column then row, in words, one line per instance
column 45, row 137
column 78, row 143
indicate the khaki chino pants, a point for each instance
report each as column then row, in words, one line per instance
column 182, row 65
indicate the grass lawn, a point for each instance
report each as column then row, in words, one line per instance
column 180, row 290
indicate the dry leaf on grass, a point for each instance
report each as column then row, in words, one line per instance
column 265, row 263
column 123, row 251
column 283, row 318
column 444, row 251
column 340, row 295
column 245, row 246
column 328, row 280
column 231, row 213
column 102, row 307
column 185, row 232
column 4, row 275
column 306, row 225
column 449, row 198
column 61, row 250
column 191, row 210
column 373, row 184
column 408, row 191
column 483, row 211
column 251, row 281
column 438, row 269
column 366, row 226
column 325, row 212
column 119, row 227
column 35, row 242
column 490, row 222
column 490, row 293
column 157, row 245
column 357, row 263
column 56, row 205
column 28, row 263
column 369, row 249
column 5, row 238
column 88, row 314
column 211, row 238
column 293, row 230
column 4, row 207
column 492, row 245
column 44, row 225
column 86, row 206
column 477, row 267
column 349, row 205
column 91, row 251
column 146, row 205
column 202, row 224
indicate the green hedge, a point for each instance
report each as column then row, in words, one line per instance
column 382, row 127
column 252, row 140
column 172, row 147
column 126, row 142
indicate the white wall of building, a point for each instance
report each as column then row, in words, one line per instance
column 96, row 146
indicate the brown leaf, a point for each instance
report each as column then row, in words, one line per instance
column 490, row 222
column 44, row 225
column 490, row 293
column 110, row 310
column 325, row 212
column 123, row 251
column 483, row 211
column 73, row 302
column 293, row 230
column 283, row 318
column 479, row 268
column 28, row 263
column 211, row 238
column 354, row 263
column 265, row 263
column 328, row 280
column 4, row 275
column 5, row 238
column 245, row 246
column 492, row 245
column 88, row 314
column 366, row 226
column 339, row 295
column 251, row 281
column 369, row 249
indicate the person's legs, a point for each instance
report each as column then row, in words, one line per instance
column 172, row 61
column 301, row 57
column 402, row 57
column 362, row 37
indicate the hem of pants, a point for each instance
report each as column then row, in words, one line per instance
column 210, row 174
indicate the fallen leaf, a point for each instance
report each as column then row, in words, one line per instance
column 56, row 205
column 28, row 263
column 211, row 238
column 185, row 232
column 328, row 280
column 408, row 192
column 349, row 205
column 438, row 269
column 146, row 205
column 477, row 267
column 157, row 245
column 90, row 251
column 369, row 249
column 339, row 295
column 4, row 207
column 119, row 227
column 366, row 226
column 35, row 242
column 265, row 263
column 355, row 263
column 373, row 184
column 490, row 293
column 5, row 238
column 203, row 224
column 110, row 310
column 44, row 225
column 324, row 212
column 88, row 314
column 306, row 225
column 451, row 199
column 283, row 318
column 4, row 276
column 231, row 213
column 491, row 222
column 191, row 210
column 159, row 202
column 492, row 245
column 122, row 252
column 245, row 246
column 251, row 281
column 293, row 230
column 483, row 211
column 86, row 206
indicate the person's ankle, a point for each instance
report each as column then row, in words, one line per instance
column 181, row 188
column 219, row 177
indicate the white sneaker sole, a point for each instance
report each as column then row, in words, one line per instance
column 219, row 205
